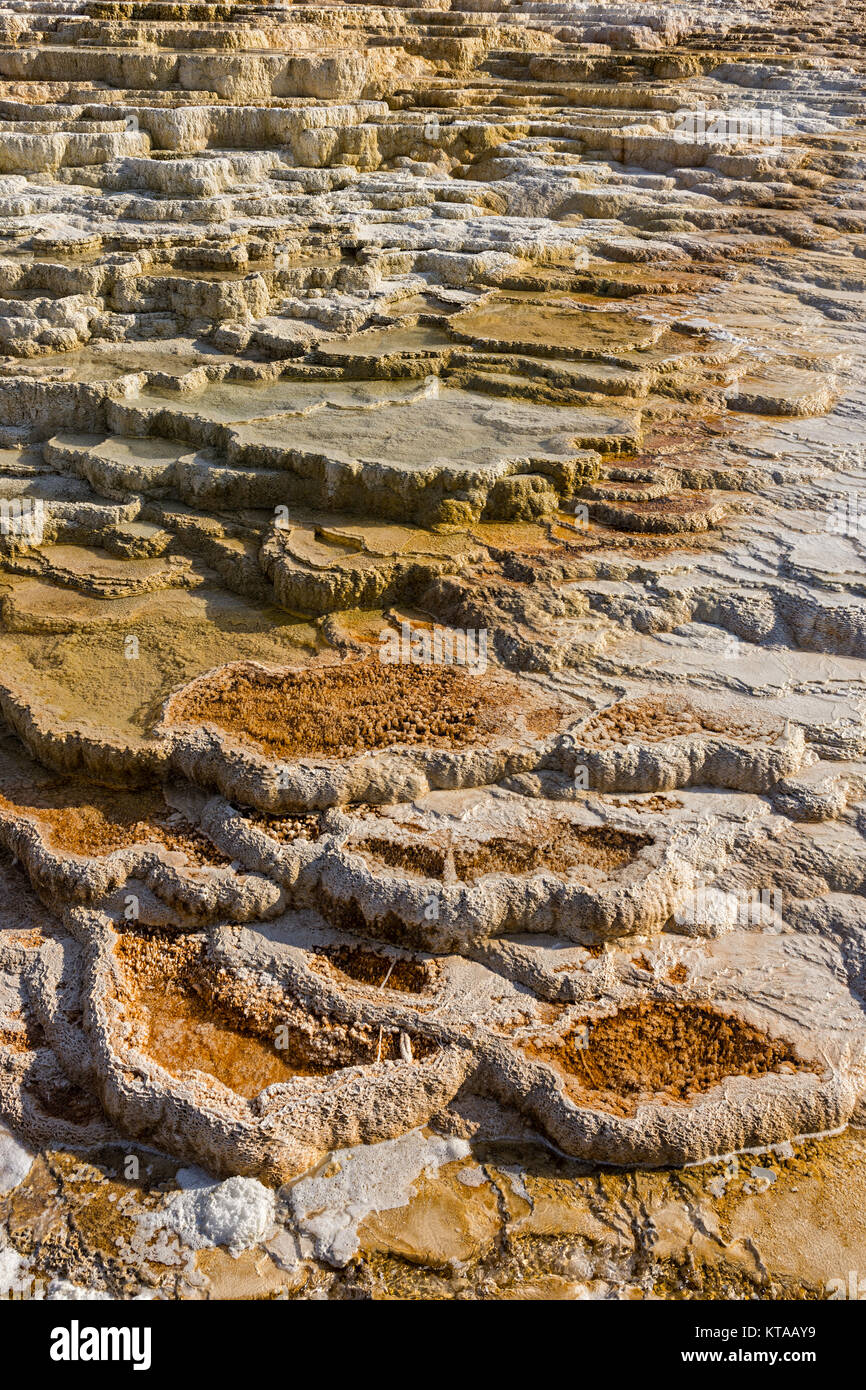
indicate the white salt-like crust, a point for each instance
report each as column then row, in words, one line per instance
column 360, row 1182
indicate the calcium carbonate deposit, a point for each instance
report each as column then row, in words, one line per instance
column 432, row 649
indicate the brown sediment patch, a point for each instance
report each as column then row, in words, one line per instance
column 419, row 857
column 30, row 940
column 62, row 1100
column 20, row 1032
column 382, row 972
column 197, row 1016
column 339, row 711
column 608, row 282
column 678, row 512
column 656, row 802
column 655, row 718
column 561, row 325
column 660, row 1052
column 594, row 949
column 690, row 433
column 68, row 655
column 643, row 545
column 96, row 821
column 558, row 846
column 77, row 1214
column 389, row 927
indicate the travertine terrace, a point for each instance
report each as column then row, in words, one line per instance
column 432, row 648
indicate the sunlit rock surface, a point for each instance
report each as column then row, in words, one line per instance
column 432, row 650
